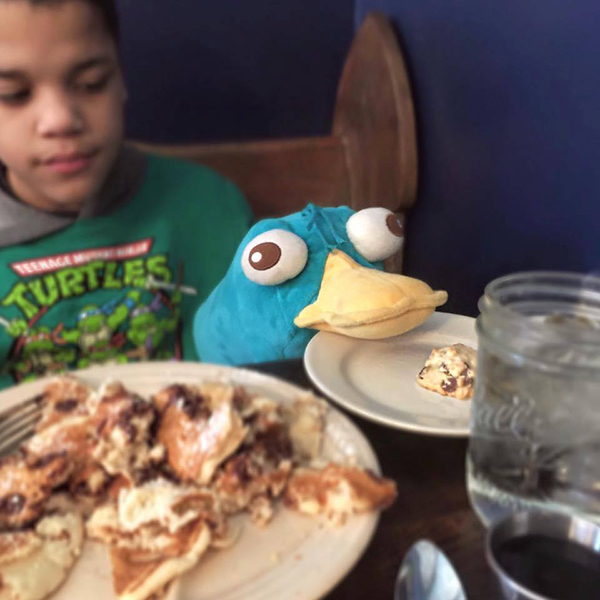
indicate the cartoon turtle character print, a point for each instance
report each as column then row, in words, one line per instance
column 102, row 311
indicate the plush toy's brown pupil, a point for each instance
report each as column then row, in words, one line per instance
column 265, row 255
column 394, row 225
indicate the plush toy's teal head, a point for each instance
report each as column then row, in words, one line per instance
column 277, row 275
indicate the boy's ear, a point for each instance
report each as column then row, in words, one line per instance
column 123, row 85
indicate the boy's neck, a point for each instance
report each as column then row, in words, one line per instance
column 7, row 188
column 21, row 222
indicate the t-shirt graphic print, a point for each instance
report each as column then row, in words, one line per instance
column 124, row 286
column 114, row 304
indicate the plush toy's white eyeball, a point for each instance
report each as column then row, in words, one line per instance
column 376, row 233
column 274, row 257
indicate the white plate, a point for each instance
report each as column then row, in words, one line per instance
column 294, row 558
column 376, row 379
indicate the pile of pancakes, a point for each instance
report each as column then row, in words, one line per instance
column 157, row 479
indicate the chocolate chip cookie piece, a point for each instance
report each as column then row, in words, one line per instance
column 450, row 371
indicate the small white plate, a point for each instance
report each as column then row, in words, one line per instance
column 377, row 379
column 293, row 558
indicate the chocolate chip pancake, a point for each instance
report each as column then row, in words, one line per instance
column 157, row 481
column 35, row 561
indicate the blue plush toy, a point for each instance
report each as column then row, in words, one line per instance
column 317, row 269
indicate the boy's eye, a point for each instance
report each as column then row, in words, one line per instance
column 18, row 97
column 93, row 85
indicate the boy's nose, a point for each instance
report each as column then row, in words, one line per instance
column 58, row 116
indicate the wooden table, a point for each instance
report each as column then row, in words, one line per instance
column 432, row 503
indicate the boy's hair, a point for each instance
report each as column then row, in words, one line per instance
column 107, row 8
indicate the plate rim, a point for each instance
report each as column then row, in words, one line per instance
column 336, row 397
column 370, row 521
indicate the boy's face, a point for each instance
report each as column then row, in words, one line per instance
column 61, row 101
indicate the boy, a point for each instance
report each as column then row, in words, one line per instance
column 105, row 253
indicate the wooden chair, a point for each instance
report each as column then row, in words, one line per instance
column 370, row 158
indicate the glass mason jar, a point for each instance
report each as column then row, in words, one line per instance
column 535, row 424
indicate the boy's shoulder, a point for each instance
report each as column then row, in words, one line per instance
column 188, row 192
column 166, row 169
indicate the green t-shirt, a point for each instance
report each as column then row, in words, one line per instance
column 124, row 286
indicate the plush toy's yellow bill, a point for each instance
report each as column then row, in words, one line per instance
column 366, row 303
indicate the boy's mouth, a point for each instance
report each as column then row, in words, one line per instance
column 69, row 163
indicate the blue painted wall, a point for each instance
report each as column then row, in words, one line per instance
column 507, row 97
column 231, row 69
column 508, row 107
